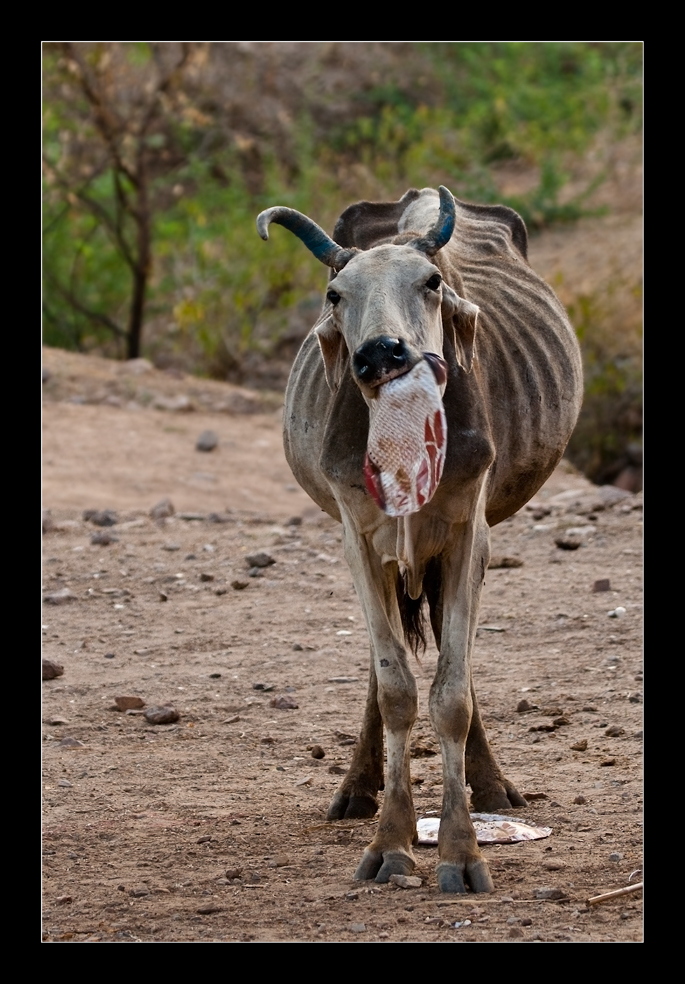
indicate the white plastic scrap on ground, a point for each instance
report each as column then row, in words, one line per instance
column 491, row 828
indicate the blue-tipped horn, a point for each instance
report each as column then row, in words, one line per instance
column 312, row 235
column 441, row 233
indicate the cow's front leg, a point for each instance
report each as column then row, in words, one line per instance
column 390, row 852
column 356, row 796
column 451, row 705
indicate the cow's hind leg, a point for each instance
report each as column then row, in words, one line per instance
column 356, row 796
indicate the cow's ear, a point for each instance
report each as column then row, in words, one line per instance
column 333, row 350
column 462, row 316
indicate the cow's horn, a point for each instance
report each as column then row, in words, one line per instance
column 442, row 231
column 312, row 235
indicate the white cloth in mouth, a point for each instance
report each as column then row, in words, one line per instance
column 407, row 441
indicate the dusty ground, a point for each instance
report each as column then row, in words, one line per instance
column 213, row 828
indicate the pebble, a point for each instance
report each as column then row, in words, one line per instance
column 206, row 577
column 56, row 719
column 171, row 547
column 104, row 517
column 109, row 655
column 615, row 731
column 318, row 752
column 284, row 703
column 608, row 761
column 71, row 743
column 549, row 893
column 496, row 563
column 343, row 679
column 163, row 509
column 406, row 881
column 51, row 669
column 161, row 715
column 297, row 648
column 616, row 856
column 601, row 585
column 617, row 612
column 260, row 559
column 579, row 746
column 239, row 585
column 207, row 441
column 568, row 542
column 357, row 928
column 61, row 597
column 103, row 538
column 65, row 784
column 579, row 800
column 336, row 770
column 128, row 703
column 233, row 872
column 523, row 705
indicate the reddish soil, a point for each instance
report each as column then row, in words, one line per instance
column 212, row 828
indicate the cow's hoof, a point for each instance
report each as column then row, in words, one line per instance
column 352, row 807
column 380, row 865
column 453, row 878
column 498, row 796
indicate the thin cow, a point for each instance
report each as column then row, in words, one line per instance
column 427, row 281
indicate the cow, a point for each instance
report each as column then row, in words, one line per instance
column 427, row 277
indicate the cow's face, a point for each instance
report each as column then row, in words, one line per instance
column 385, row 309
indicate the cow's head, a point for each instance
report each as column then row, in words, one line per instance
column 387, row 306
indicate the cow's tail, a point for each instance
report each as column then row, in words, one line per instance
column 414, row 612
column 413, row 615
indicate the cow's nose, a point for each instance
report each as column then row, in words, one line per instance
column 378, row 357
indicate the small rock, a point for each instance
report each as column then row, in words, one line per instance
column 65, row 784
column 343, row 679
column 161, row 715
column 496, row 563
column 535, row 796
column 294, row 521
column 357, row 928
column 523, row 705
column 549, row 893
column 515, row 933
column 239, row 585
column 617, row 612
column 336, row 770
column 139, row 893
column 421, row 750
column 568, row 542
column 56, row 719
column 64, row 899
column 608, row 761
column 266, row 687
column 307, row 781
column 61, row 597
column 406, row 881
column 601, row 585
column 206, row 577
column 616, row 856
column 580, row 746
column 352, row 896
column 128, row 703
column 207, row 441
column 318, row 752
column 284, row 703
column 163, row 509
column 51, row 669
column 103, row 538
column 560, row 721
column 297, row 648
column 233, row 873
column 204, row 840
column 579, row 800
column 268, row 740
column 71, row 743
column 615, row 731
column 109, row 655
column 171, row 547
column 214, row 676
column 104, row 517
column 259, row 560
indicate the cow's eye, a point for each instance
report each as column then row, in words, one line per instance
column 434, row 282
column 333, row 296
